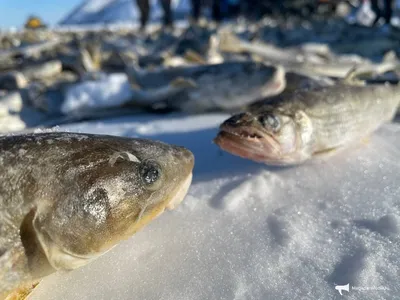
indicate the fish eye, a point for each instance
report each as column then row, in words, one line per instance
column 270, row 121
column 150, row 173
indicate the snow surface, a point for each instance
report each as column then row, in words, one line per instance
column 111, row 11
column 249, row 231
column 109, row 91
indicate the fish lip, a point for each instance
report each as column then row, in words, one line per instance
column 181, row 190
column 189, row 158
column 248, row 143
column 245, row 132
column 251, row 134
column 180, row 193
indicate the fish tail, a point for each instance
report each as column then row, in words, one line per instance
column 390, row 56
column 277, row 84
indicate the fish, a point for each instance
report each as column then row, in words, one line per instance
column 7, row 64
column 32, row 50
column 212, row 87
column 38, row 71
column 340, row 69
column 228, row 42
column 294, row 128
column 78, row 61
column 296, row 81
column 67, row 198
column 306, row 59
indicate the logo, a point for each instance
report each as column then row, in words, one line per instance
column 341, row 288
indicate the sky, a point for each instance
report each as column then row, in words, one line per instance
column 14, row 13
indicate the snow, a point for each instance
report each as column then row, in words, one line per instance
column 249, row 231
column 109, row 91
column 117, row 11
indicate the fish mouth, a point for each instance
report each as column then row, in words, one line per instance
column 180, row 193
column 248, row 142
column 181, row 190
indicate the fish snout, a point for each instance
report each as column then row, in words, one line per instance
column 238, row 119
column 185, row 157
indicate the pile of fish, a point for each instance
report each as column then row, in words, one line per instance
column 51, row 77
column 296, row 89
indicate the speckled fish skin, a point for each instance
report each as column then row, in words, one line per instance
column 66, row 198
column 292, row 128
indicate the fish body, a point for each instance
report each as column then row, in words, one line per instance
column 225, row 86
column 230, row 43
column 341, row 70
column 31, row 50
column 67, row 198
column 309, row 59
column 295, row 127
column 296, row 81
column 42, row 70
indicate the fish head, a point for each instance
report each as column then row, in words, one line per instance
column 118, row 188
column 272, row 135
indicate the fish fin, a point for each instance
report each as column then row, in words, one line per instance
column 351, row 77
column 194, row 56
column 390, row 56
column 22, row 292
column 326, row 152
column 181, row 82
column 228, row 42
column 124, row 156
column 277, row 84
